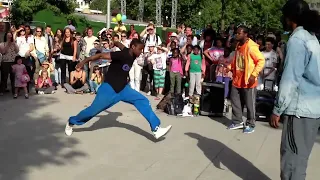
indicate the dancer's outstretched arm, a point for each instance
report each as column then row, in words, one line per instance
column 100, row 56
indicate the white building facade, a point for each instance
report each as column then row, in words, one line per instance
column 82, row 4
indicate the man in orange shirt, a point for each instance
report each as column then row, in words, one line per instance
column 246, row 66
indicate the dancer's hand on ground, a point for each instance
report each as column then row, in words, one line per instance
column 274, row 121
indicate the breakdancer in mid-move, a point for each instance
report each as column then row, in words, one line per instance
column 115, row 88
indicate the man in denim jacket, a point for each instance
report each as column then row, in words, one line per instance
column 299, row 91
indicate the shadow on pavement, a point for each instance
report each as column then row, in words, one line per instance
column 31, row 140
column 110, row 120
column 237, row 164
column 222, row 120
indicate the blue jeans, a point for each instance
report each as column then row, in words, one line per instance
column 226, row 81
column 106, row 97
column 94, row 86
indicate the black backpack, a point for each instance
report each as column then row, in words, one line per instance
column 175, row 105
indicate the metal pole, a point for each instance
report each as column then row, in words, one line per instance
column 141, row 9
column 174, row 13
column 158, row 12
column 108, row 14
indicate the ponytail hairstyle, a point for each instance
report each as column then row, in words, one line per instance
column 298, row 11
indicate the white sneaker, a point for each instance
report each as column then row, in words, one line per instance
column 149, row 93
column 161, row 131
column 68, row 130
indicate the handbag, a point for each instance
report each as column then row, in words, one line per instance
column 25, row 78
column 41, row 57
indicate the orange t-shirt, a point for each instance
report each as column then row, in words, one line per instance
column 239, row 65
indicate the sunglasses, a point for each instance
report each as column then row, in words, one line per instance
column 39, row 31
column 123, row 36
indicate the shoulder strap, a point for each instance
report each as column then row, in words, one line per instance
column 147, row 38
column 34, row 43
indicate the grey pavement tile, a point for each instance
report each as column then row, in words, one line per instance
column 117, row 145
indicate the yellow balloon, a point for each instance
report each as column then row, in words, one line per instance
column 114, row 20
column 119, row 17
column 116, row 29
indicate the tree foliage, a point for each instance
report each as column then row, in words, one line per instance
column 22, row 10
column 265, row 13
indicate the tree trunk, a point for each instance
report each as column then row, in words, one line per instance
column 223, row 9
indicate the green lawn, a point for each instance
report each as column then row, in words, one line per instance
column 59, row 21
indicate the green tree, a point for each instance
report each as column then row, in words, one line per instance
column 23, row 10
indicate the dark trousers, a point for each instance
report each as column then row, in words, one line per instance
column 29, row 62
column 239, row 98
column 63, row 66
column 298, row 137
column 6, row 70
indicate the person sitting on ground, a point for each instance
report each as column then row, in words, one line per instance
column 46, row 66
column 78, row 83
column 44, row 85
column 96, row 79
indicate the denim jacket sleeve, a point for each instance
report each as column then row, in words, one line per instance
column 294, row 67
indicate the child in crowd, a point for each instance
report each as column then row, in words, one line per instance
column 196, row 66
column 21, row 77
column 44, row 85
column 112, row 47
column 149, row 67
column 105, row 48
column 186, row 78
column 96, row 79
column 57, row 63
column 95, row 50
column 46, row 66
column 223, row 75
column 159, row 61
column 81, row 47
column 176, row 71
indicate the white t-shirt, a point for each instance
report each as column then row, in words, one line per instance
column 151, row 40
column 24, row 45
column 183, row 41
column 270, row 58
column 159, row 61
column 41, row 45
column 126, row 43
column 89, row 44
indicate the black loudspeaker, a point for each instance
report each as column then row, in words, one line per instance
column 264, row 104
column 212, row 99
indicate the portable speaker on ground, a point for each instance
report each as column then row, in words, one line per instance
column 212, row 99
column 264, row 104
column 265, row 100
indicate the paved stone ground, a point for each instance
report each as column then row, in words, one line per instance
column 117, row 145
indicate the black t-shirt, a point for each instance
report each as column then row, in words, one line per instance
column 119, row 68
